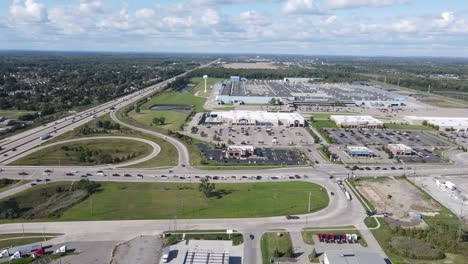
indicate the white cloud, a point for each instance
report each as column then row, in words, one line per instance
column 446, row 18
column 28, row 11
column 89, row 7
column 298, row 6
column 210, row 17
column 144, row 13
column 343, row 4
column 328, row 20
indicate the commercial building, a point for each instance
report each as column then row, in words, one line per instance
column 356, row 151
column 306, row 91
column 400, row 150
column 346, row 121
column 236, row 117
column 352, row 257
column 239, row 152
column 459, row 124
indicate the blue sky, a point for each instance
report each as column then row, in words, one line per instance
column 319, row 27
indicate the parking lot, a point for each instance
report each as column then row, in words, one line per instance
column 459, row 138
column 264, row 136
column 357, row 137
column 263, row 156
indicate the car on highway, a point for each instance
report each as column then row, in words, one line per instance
column 23, row 173
column 258, row 178
column 84, row 176
column 215, row 178
column 48, row 171
column 33, row 184
column 127, row 175
column 116, row 175
column 89, row 174
column 69, row 174
column 292, row 217
column 47, row 180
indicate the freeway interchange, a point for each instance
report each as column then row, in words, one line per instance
column 340, row 211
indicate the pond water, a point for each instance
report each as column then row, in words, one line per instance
column 187, row 108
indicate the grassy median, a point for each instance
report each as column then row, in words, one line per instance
column 88, row 152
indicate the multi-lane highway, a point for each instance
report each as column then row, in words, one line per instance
column 23, row 142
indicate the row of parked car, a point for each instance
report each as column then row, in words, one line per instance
column 353, row 168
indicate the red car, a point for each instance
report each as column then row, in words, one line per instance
column 116, row 175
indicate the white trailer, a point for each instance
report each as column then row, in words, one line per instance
column 166, row 253
column 25, row 249
column 348, row 196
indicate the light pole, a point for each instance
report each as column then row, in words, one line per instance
column 310, row 194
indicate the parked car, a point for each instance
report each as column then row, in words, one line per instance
column 292, row 217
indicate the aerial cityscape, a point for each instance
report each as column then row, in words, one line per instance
column 233, row 132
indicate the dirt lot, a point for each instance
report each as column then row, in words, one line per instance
column 405, row 198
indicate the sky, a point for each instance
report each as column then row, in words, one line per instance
column 309, row 27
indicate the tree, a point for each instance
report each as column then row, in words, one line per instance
column 272, row 101
column 162, row 120
column 311, row 119
column 206, row 187
column 137, row 110
column 99, row 124
column 156, row 120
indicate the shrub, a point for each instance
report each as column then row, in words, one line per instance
column 415, row 248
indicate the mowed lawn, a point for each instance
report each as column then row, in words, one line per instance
column 176, row 98
column 122, row 201
column 174, row 118
column 56, row 155
column 271, row 242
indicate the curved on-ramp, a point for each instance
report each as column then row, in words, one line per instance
column 154, row 153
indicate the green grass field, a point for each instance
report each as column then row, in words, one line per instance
column 176, row 98
column 406, row 127
column 174, row 118
column 126, row 201
column 271, row 242
column 14, row 114
column 167, row 157
column 323, row 124
column 115, row 148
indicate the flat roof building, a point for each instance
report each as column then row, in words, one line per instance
column 238, row 152
column 352, row 257
column 301, row 91
column 443, row 123
column 357, row 151
column 238, row 117
column 347, row 121
column 400, row 149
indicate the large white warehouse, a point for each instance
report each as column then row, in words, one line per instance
column 443, row 123
column 236, row 117
column 356, row 121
